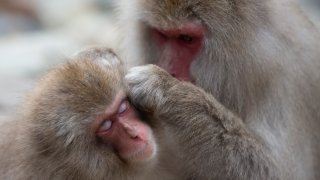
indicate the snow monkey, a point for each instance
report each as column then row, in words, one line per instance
column 79, row 124
column 238, row 85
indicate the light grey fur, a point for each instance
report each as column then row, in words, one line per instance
column 261, row 62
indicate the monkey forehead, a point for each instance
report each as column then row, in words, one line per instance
column 80, row 85
column 164, row 10
column 94, row 79
column 99, row 65
column 213, row 14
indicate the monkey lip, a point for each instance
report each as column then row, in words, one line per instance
column 145, row 152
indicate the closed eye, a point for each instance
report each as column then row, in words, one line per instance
column 106, row 125
column 123, row 107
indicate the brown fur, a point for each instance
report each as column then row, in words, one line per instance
column 257, row 117
column 53, row 138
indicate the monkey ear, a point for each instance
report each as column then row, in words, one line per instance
column 102, row 55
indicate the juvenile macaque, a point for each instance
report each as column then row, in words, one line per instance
column 253, row 109
column 79, row 124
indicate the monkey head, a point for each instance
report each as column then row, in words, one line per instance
column 83, row 119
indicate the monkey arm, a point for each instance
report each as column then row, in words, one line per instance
column 213, row 139
column 210, row 137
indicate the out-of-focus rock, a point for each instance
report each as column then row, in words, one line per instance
column 16, row 16
column 68, row 10
column 67, row 26
column 312, row 9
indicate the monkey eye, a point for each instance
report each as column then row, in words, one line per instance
column 123, row 107
column 185, row 38
column 106, row 125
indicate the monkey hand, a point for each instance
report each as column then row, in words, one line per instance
column 148, row 86
column 152, row 89
column 179, row 103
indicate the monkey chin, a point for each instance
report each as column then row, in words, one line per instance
column 144, row 155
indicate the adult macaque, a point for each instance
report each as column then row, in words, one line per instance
column 253, row 111
column 78, row 124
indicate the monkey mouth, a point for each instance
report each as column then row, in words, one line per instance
column 143, row 154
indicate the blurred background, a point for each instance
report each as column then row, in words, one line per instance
column 38, row 34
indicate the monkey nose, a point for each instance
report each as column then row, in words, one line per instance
column 131, row 130
column 187, row 32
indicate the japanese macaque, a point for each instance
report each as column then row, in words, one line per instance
column 79, row 124
column 248, row 103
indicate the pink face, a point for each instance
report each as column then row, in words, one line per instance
column 178, row 48
column 120, row 127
